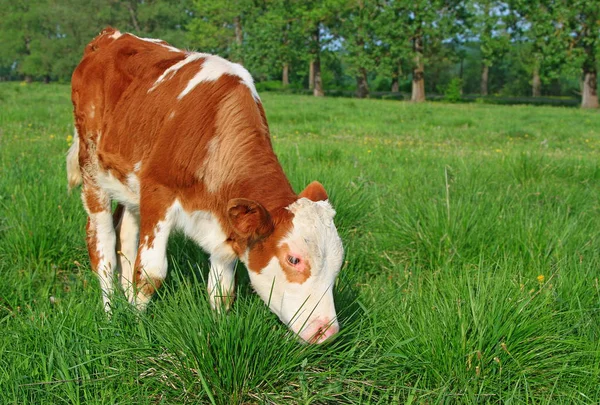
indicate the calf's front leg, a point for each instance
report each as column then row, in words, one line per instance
column 150, row 268
column 221, row 282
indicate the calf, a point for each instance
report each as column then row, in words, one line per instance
column 180, row 141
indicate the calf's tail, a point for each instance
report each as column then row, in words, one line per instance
column 73, row 170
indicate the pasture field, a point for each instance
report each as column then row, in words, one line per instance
column 471, row 273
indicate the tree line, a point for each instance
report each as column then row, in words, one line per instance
column 509, row 47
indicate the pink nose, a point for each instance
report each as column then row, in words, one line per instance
column 319, row 331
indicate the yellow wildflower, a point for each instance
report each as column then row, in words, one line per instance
column 541, row 278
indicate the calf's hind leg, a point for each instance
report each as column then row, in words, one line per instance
column 127, row 229
column 101, row 238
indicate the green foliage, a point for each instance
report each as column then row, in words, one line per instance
column 453, row 92
column 518, row 40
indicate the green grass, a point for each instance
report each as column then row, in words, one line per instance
column 471, row 271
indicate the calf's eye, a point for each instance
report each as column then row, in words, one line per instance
column 293, row 260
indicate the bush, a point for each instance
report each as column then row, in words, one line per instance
column 453, row 91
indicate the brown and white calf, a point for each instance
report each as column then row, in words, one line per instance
column 180, row 141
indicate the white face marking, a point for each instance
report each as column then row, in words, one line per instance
column 213, row 68
column 172, row 70
column 306, row 307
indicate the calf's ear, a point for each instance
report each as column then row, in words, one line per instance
column 250, row 220
column 314, row 192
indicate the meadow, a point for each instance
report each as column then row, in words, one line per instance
column 471, row 272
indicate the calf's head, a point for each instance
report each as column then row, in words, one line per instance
column 293, row 260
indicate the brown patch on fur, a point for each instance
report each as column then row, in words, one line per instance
column 292, row 274
column 314, row 192
column 92, row 243
column 261, row 253
column 238, row 123
column 149, row 286
column 249, row 219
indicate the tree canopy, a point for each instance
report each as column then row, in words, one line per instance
column 411, row 47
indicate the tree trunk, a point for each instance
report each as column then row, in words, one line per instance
column 536, row 83
column 285, row 75
column 590, row 89
column 28, row 79
column 396, row 79
column 318, row 89
column 362, row 85
column 418, row 79
column 46, row 79
column 485, row 71
column 311, row 75
column 237, row 22
column 395, row 83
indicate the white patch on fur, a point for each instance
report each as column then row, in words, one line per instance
column 308, row 306
column 153, row 257
column 159, row 42
column 116, row 34
column 172, row 70
column 204, row 228
column 92, row 112
column 137, row 167
column 102, row 223
column 128, row 195
column 213, row 68
column 128, row 231
column 221, row 283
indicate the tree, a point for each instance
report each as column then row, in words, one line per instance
column 316, row 17
column 275, row 40
column 23, row 31
column 537, row 25
column 218, row 26
column 420, row 26
column 565, row 34
column 357, row 28
column 392, row 50
column 583, row 20
column 493, row 36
